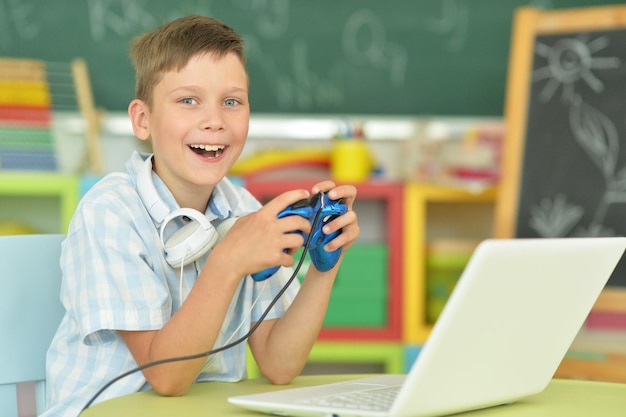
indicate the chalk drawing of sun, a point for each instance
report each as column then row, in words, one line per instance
column 570, row 60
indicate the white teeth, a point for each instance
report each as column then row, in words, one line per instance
column 214, row 148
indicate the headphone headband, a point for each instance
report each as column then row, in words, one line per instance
column 157, row 208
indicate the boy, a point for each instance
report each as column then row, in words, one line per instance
column 128, row 301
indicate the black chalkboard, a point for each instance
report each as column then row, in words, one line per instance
column 573, row 180
column 442, row 57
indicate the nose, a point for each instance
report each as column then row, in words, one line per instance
column 212, row 119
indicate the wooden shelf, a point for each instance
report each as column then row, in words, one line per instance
column 417, row 197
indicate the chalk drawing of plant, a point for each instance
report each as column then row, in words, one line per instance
column 555, row 217
column 598, row 137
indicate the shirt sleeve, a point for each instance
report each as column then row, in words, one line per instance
column 110, row 281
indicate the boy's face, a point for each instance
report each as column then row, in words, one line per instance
column 198, row 122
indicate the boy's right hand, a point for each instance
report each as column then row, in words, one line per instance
column 261, row 240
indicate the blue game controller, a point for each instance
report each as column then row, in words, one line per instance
column 308, row 209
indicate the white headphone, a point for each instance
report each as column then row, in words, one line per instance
column 191, row 241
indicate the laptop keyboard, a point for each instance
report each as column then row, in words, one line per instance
column 377, row 399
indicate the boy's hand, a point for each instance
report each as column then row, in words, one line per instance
column 260, row 240
column 348, row 221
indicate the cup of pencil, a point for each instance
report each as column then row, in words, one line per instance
column 350, row 159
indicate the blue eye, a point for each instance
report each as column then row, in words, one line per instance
column 187, row 100
column 230, row 102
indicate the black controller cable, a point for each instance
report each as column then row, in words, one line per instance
column 226, row 346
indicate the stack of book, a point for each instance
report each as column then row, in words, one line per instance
column 26, row 137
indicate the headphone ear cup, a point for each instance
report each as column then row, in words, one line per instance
column 189, row 242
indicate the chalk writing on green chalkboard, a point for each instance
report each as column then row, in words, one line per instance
column 453, row 23
column 16, row 22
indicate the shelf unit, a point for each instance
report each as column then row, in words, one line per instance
column 62, row 188
column 360, row 349
column 399, row 214
column 417, row 198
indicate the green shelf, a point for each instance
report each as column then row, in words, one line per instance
column 65, row 187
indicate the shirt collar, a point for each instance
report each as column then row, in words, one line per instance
column 223, row 203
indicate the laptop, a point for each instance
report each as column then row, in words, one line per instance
column 507, row 325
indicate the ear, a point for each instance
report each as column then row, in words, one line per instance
column 138, row 113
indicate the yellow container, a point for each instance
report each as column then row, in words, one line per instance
column 350, row 160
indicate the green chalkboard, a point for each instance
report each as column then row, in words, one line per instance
column 406, row 57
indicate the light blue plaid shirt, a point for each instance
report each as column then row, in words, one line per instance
column 115, row 277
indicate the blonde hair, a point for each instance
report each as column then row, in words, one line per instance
column 172, row 45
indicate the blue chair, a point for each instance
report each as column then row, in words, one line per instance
column 30, row 312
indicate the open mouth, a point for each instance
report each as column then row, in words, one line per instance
column 208, row 151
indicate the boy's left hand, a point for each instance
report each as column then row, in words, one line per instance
column 347, row 222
